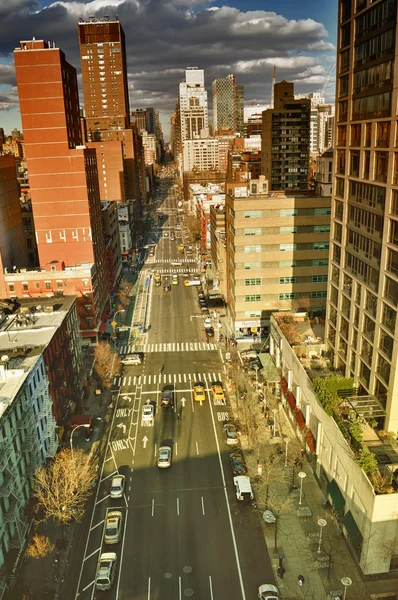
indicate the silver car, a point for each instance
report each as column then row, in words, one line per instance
column 117, row 486
column 106, row 570
column 164, row 458
column 113, row 527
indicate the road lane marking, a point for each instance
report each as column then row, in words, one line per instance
column 179, row 588
column 149, row 588
column 176, row 447
column 100, row 522
column 178, row 507
column 153, row 506
column 88, row 586
column 211, row 588
column 197, row 448
column 242, row 589
column 203, row 506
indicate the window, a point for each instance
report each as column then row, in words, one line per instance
column 253, row 214
column 253, row 298
column 287, row 247
column 319, row 294
column 255, row 281
column 89, row 308
column 340, row 187
column 368, row 134
column 320, row 262
column 252, row 265
column 356, row 134
column 319, row 278
column 354, row 163
column 25, row 286
column 252, row 231
column 249, row 249
column 11, row 287
column 381, row 166
column 90, row 322
column 366, row 166
column 338, row 210
column 48, row 285
column 288, row 212
column 321, row 228
column 343, row 110
column 383, row 134
column 286, row 280
column 59, row 285
column 341, row 154
column 320, row 246
column 343, row 89
column 286, row 264
column 284, row 230
column 290, row 296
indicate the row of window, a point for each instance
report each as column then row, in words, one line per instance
column 286, row 296
column 285, row 212
column 286, row 280
column 48, row 285
column 285, row 264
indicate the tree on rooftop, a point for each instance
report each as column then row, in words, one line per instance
column 367, row 461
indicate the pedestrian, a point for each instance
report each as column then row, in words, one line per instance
column 178, row 417
column 300, row 580
column 162, row 369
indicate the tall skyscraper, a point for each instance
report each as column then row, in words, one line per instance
column 107, row 110
column 362, row 330
column 63, row 174
column 227, row 104
column 285, row 140
column 193, row 104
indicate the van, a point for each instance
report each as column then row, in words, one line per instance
column 243, row 488
column 174, row 280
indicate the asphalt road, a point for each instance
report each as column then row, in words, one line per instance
column 185, row 533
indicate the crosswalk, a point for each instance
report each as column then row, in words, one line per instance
column 172, row 347
column 164, row 378
column 182, row 260
column 175, row 270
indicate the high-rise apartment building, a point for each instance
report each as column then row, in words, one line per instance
column 285, row 142
column 107, row 109
column 193, row 104
column 325, row 127
column 227, row 98
column 362, row 327
column 63, row 183
column 240, row 100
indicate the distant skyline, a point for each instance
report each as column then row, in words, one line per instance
column 163, row 37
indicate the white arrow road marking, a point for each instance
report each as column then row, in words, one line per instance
column 122, row 426
column 145, row 441
column 183, row 402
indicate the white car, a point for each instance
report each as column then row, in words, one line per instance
column 147, row 411
column 267, row 591
column 166, row 234
column 176, row 263
column 117, row 486
column 113, row 527
column 164, row 458
column 106, row 570
column 133, row 359
column 243, row 488
column 207, row 321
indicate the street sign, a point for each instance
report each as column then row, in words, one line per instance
column 97, row 392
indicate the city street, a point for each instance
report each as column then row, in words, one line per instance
column 184, row 532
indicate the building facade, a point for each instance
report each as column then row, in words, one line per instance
column 12, row 239
column 286, row 140
column 363, row 279
column 201, row 154
column 277, row 254
column 193, row 110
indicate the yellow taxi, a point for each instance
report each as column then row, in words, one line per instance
column 156, row 277
column 199, row 392
column 217, row 392
column 181, row 247
column 187, row 282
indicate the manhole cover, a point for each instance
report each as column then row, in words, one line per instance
column 187, row 569
column 188, row 592
column 168, row 575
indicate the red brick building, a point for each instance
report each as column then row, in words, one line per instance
column 63, row 186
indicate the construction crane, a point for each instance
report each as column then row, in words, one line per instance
column 327, row 78
column 273, row 86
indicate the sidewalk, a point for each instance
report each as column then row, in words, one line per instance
column 298, row 549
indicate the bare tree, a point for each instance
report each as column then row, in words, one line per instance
column 63, row 486
column 40, row 546
column 279, row 502
column 107, row 364
column 273, row 472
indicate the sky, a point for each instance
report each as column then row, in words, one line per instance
column 163, row 37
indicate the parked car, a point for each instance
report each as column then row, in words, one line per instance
column 117, row 486
column 113, row 527
column 199, row 392
column 106, row 571
column 243, row 488
column 209, row 331
column 164, row 457
column 231, row 435
column 267, row 591
column 167, row 398
column 238, row 464
column 249, row 354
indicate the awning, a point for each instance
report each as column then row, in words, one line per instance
column 283, row 384
column 88, row 334
column 353, row 532
column 310, row 441
column 300, row 419
column 291, row 400
column 337, row 497
column 102, row 327
column 270, row 372
column 78, row 420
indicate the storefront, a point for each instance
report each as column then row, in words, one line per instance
column 254, row 329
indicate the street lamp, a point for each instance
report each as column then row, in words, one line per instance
column 302, row 476
column 86, row 425
column 321, row 523
column 117, row 312
column 346, row 581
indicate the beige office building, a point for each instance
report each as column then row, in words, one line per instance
column 363, row 279
column 277, row 254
